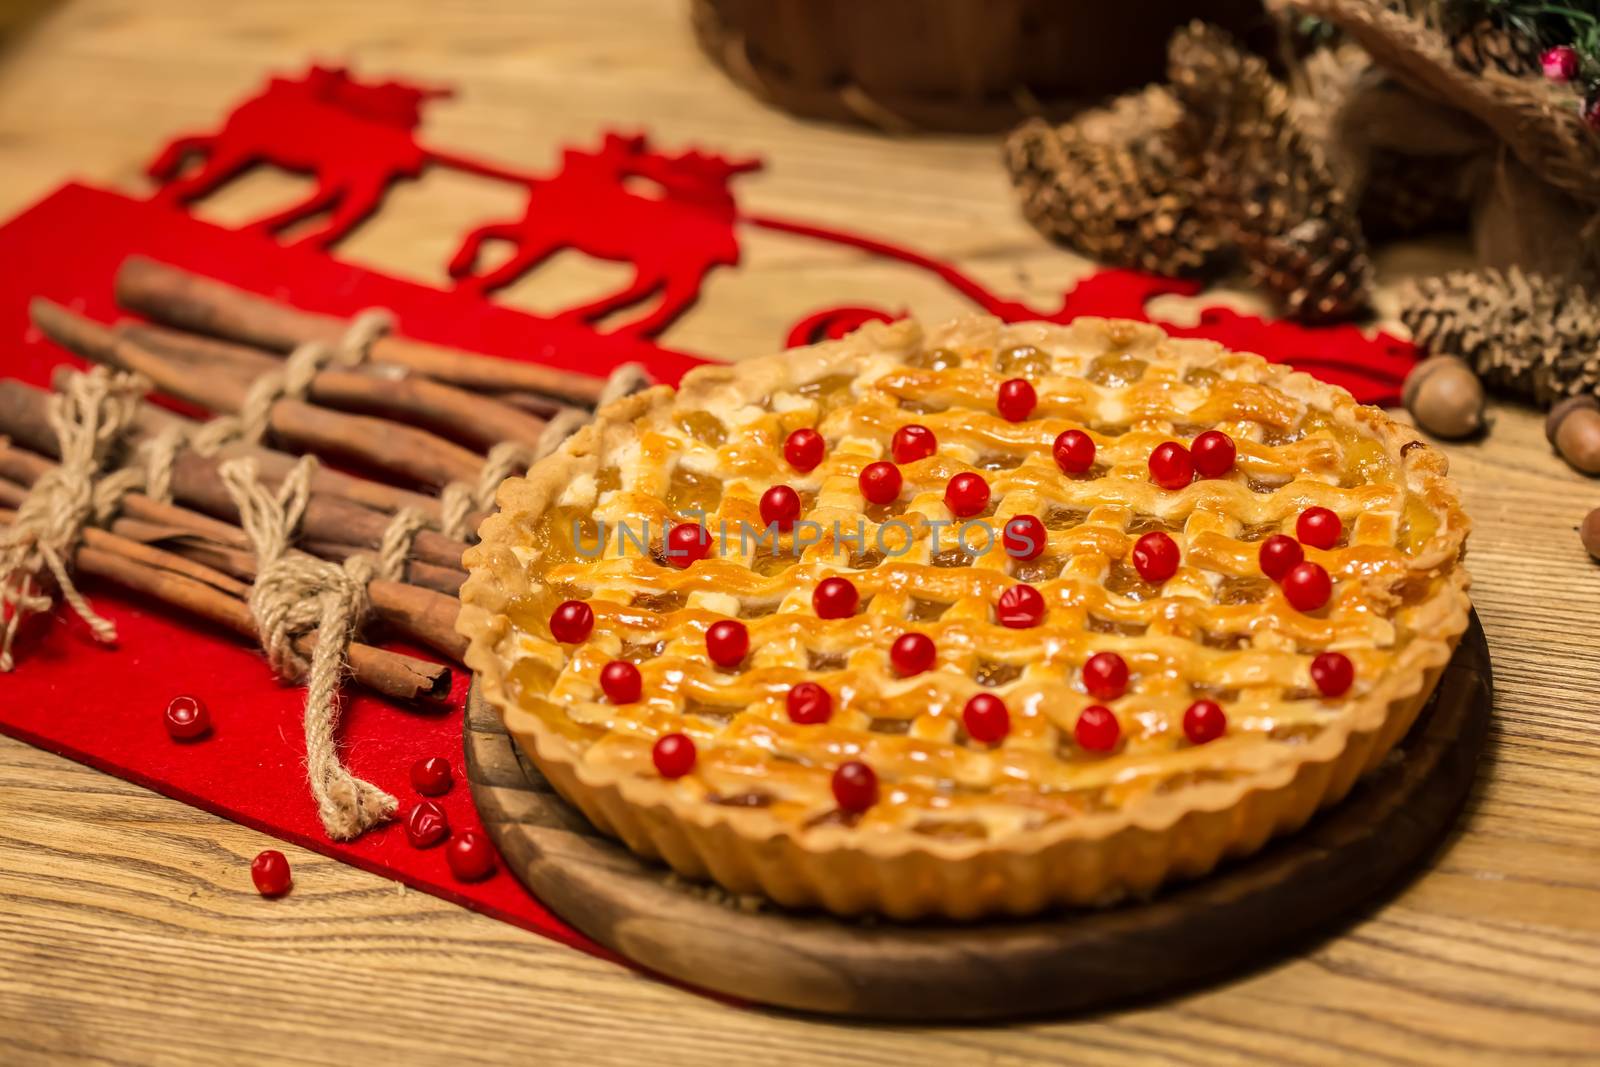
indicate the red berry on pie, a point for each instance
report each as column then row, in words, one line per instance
column 881, row 482
column 1025, row 537
column 426, row 824
column 571, row 622
column 1279, row 554
column 1105, row 675
column 1318, row 527
column 986, row 718
column 1204, row 721
column 1016, row 399
column 1307, row 587
column 1097, row 729
column 835, row 598
column 1213, row 453
column 470, row 856
column 809, row 704
column 673, row 755
column 687, row 544
column 911, row 443
column 966, row 495
column 727, row 642
column 1020, row 607
column 1155, row 557
column 621, row 682
column 804, row 449
column 1333, row 674
column 1171, row 466
column 780, row 507
column 270, row 872
column 1074, row 451
column 187, row 719
column 431, row 777
column 912, row 654
column 855, row 786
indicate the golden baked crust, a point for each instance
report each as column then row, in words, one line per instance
column 964, row 829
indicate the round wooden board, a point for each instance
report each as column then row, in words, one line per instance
column 1247, row 913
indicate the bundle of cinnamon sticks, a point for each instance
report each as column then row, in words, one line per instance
column 394, row 428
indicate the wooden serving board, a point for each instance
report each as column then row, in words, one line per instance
column 1247, row 913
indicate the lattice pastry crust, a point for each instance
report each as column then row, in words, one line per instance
column 964, row 829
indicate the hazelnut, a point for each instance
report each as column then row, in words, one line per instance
column 1444, row 397
column 1573, row 427
column 1590, row 532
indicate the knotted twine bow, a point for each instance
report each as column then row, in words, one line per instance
column 88, row 418
column 296, row 593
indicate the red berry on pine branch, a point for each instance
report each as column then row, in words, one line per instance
column 1560, row 64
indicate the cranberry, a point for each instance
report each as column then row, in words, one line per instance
column 912, row 654
column 1097, row 729
column 780, row 507
column 621, row 682
column 911, row 443
column 687, row 543
column 855, row 786
column 1318, row 527
column 426, row 824
column 1213, row 453
column 727, row 642
column 1074, row 451
column 571, row 622
column 431, row 777
column 1105, row 675
column 1204, row 721
column 1560, row 64
column 673, row 755
column 808, row 704
column 881, row 482
column 270, row 872
column 966, row 495
column 1307, row 587
column 1171, row 466
column 1333, row 673
column 1025, row 537
column 470, row 856
column 1155, row 556
column 1279, row 554
column 1020, row 607
column 986, row 718
column 835, row 598
column 804, row 449
column 1016, row 399
column 187, row 719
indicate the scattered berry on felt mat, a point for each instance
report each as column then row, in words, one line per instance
column 855, row 786
column 1020, row 607
column 187, row 718
column 470, row 856
column 270, row 872
column 673, row 755
column 426, row 824
column 431, row 777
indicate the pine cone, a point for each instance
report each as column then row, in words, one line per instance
column 1524, row 334
column 1265, row 179
column 1485, row 45
column 1111, row 186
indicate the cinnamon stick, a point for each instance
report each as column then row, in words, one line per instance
column 197, row 483
column 200, row 591
column 403, row 451
column 203, row 305
column 383, row 389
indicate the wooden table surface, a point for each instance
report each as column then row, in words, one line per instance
column 128, row 929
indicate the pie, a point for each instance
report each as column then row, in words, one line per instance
column 968, row 621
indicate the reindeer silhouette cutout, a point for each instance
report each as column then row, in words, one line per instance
column 673, row 233
column 354, row 138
